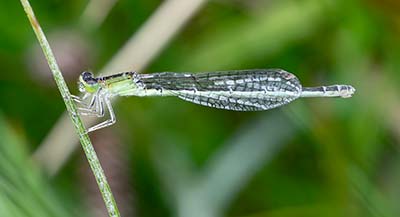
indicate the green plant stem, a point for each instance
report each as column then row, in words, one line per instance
column 73, row 113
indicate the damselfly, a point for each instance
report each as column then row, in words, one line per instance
column 241, row 90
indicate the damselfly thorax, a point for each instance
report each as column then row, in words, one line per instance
column 240, row 90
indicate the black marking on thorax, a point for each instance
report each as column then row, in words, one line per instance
column 122, row 74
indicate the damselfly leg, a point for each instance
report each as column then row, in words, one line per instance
column 82, row 100
column 96, row 107
column 89, row 108
column 109, row 122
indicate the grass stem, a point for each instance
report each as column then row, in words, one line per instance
column 73, row 113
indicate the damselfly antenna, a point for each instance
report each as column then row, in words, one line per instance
column 240, row 90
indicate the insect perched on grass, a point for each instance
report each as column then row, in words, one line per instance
column 240, row 90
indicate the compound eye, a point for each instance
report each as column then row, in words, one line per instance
column 87, row 75
column 88, row 78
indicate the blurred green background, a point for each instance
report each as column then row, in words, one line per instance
column 167, row 157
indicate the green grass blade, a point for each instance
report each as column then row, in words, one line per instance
column 72, row 111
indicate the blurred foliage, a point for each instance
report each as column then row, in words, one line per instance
column 314, row 157
column 23, row 190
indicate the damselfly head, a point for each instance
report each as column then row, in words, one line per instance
column 87, row 83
